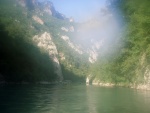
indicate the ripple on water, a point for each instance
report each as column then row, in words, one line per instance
column 72, row 99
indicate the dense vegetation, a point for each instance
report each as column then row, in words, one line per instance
column 132, row 61
column 20, row 58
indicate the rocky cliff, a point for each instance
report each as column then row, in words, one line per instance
column 45, row 42
column 40, row 44
column 42, row 41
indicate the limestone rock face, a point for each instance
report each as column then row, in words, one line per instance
column 73, row 46
column 147, row 76
column 71, row 19
column 92, row 56
column 44, row 41
column 62, row 56
column 70, row 29
column 48, row 7
column 93, row 51
column 37, row 19
column 142, row 71
column 64, row 29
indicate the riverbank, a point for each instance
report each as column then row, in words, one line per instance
column 94, row 83
column 41, row 82
column 138, row 86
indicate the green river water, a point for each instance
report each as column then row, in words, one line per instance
column 72, row 99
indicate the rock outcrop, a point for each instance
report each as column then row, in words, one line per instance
column 70, row 29
column 75, row 47
column 44, row 41
column 92, row 56
column 37, row 19
column 93, row 51
column 46, row 6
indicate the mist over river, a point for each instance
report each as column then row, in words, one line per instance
column 72, row 99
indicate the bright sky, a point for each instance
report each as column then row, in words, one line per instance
column 80, row 10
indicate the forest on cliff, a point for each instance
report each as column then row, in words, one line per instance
column 21, row 60
column 131, row 63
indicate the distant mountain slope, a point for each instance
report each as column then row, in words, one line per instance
column 39, row 44
column 31, row 45
column 130, row 66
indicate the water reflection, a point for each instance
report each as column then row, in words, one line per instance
column 91, row 100
column 72, row 99
column 117, row 99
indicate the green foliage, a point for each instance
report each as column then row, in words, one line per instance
column 75, row 66
column 127, row 67
column 20, row 60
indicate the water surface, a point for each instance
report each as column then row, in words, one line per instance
column 72, row 99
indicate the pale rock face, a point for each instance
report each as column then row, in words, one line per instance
column 99, row 83
column 93, row 56
column 71, row 20
column 44, row 41
column 76, row 48
column 37, row 19
column 98, row 44
column 64, row 29
column 147, row 71
column 146, row 84
column 142, row 59
column 147, row 76
column 47, row 10
column 66, row 38
column 93, row 52
column 62, row 56
column 87, row 81
column 71, row 29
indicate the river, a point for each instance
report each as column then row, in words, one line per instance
column 72, row 99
